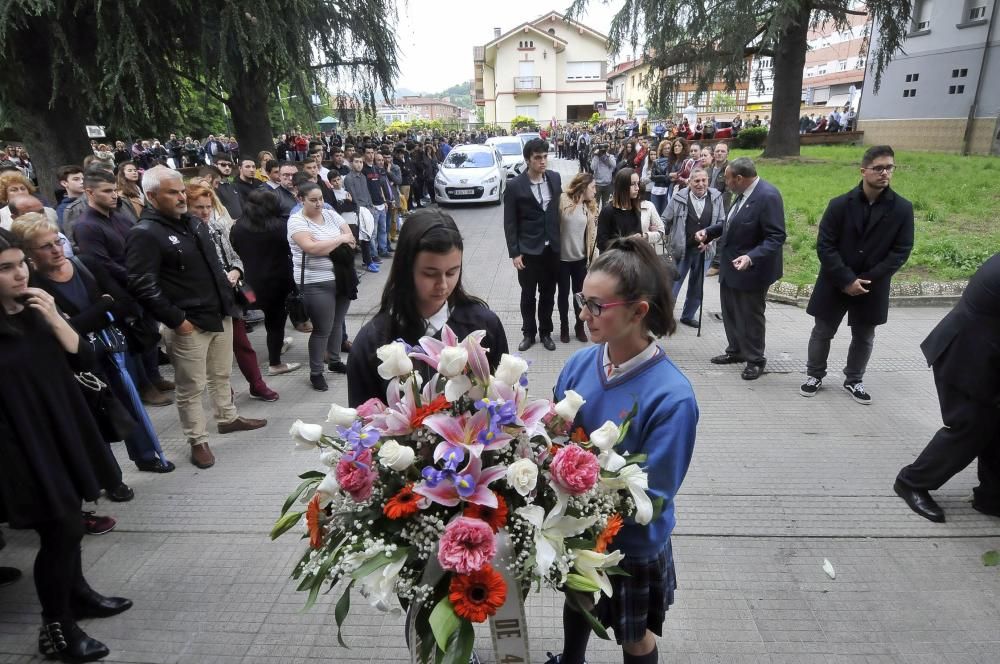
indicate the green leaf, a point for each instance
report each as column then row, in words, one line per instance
column 293, row 496
column 595, row 624
column 991, row 558
column 616, row 571
column 320, row 577
column 581, row 583
column 284, row 523
column 461, row 644
column 657, row 507
column 444, row 622
column 343, row 608
column 379, row 562
column 312, row 475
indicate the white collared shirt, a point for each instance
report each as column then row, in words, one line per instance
column 614, row 371
column 436, row 322
column 698, row 203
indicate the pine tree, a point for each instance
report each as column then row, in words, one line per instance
column 713, row 40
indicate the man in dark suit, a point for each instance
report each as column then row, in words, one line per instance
column 865, row 236
column 750, row 260
column 964, row 351
column 531, row 224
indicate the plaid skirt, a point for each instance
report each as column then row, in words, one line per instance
column 640, row 601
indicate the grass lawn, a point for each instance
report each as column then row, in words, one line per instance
column 956, row 205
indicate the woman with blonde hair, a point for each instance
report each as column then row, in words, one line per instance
column 262, row 158
column 578, row 237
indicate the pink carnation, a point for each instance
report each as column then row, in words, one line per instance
column 467, row 545
column 574, row 470
column 357, row 477
column 371, row 408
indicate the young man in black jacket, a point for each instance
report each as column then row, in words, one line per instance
column 175, row 273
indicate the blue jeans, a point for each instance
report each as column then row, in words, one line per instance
column 659, row 202
column 690, row 266
column 381, row 231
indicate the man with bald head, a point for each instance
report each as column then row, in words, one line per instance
column 24, row 203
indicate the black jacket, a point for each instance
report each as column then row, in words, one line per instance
column 229, row 195
column 849, row 249
column 245, row 188
column 363, row 380
column 964, row 348
column 757, row 230
column 405, row 170
column 98, row 282
column 175, row 273
column 527, row 226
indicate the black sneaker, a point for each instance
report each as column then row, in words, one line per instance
column 811, row 386
column 318, row 382
column 858, row 393
column 556, row 659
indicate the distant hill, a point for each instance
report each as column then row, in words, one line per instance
column 460, row 94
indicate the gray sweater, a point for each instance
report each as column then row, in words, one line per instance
column 357, row 185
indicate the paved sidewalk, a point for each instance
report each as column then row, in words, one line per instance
column 778, row 483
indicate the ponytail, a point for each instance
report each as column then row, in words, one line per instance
column 641, row 276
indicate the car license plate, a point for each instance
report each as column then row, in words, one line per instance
column 464, row 192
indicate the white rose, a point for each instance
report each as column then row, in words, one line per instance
column 306, row 436
column 341, row 416
column 393, row 455
column 395, row 362
column 510, row 370
column 522, row 476
column 328, row 488
column 570, row 404
column 452, row 361
column 605, row 437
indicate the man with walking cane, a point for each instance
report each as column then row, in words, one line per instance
column 688, row 211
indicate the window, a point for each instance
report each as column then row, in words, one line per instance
column 911, row 92
column 959, row 73
column 585, row 71
column 842, row 65
column 977, row 13
column 822, row 70
column 956, row 89
column 924, row 25
column 527, row 111
column 531, row 44
column 921, row 15
column 912, row 78
column 860, row 64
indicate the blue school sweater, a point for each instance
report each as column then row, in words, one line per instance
column 663, row 429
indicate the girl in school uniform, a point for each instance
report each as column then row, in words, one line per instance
column 626, row 303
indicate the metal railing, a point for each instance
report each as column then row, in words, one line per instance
column 527, row 83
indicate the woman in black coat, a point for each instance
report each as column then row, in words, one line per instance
column 422, row 294
column 53, row 454
column 259, row 237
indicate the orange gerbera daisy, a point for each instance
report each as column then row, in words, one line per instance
column 440, row 403
column 478, row 595
column 579, row 436
column 312, row 522
column 496, row 517
column 403, row 504
column 614, row 524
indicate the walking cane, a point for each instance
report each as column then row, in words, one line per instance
column 701, row 309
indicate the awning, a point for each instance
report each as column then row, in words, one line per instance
column 836, row 101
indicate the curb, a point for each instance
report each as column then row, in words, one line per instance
column 901, row 294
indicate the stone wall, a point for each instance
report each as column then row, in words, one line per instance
column 932, row 135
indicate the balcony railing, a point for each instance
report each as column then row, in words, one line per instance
column 527, row 83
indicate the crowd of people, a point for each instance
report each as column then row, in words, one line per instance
column 143, row 262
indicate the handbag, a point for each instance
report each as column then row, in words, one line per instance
column 295, row 303
column 113, row 419
column 667, row 257
column 245, row 297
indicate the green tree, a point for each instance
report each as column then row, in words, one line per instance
column 711, row 40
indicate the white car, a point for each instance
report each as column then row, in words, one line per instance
column 471, row 174
column 511, row 150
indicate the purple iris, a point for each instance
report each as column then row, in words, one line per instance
column 465, row 485
column 416, row 348
column 359, row 437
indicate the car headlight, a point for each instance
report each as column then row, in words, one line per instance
column 440, row 180
column 490, row 180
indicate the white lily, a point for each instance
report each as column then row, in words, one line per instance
column 570, row 405
column 328, row 488
column 456, row 387
column 633, row 478
column 605, row 439
column 380, row 585
column 591, row 565
column 551, row 532
column 341, row 416
column 306, row 436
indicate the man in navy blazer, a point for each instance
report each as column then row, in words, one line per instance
column 531, row 225
column 750, row 260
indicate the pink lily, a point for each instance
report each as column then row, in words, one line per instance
column 471, row 484
column 432, row 347
column 468, row 433
column 530, row 414
column 472, row 343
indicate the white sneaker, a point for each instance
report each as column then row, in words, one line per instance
column 286, row 344
column 287, row 367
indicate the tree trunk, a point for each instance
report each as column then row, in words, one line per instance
column 248, row 104
column 789, row 59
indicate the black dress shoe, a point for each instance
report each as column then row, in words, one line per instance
column 690, row 322
column 726, row 358
column 92, row 604
column 548, row 343
column 920, row 501
column 985, row 509
column 752, row 372
column 526, row 343
column 66, row 642
column 121, row 493
column 155, row 466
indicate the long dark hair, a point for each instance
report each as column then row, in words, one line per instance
column 641, row 276
column 424, row 230
column 261, row 211
column 8, row 241
column 622, row 196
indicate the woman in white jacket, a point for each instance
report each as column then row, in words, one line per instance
column 689, row 210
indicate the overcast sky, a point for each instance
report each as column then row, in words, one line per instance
column 436, row 36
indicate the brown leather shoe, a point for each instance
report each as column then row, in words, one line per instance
column 201, row 456
column 164, row 385
column 712, row 271
column 153, row 397
column 241, row 424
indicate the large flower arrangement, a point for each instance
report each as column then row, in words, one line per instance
column 455, row 489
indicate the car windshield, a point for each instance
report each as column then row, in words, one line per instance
column 468, row 160
column 509, row 149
